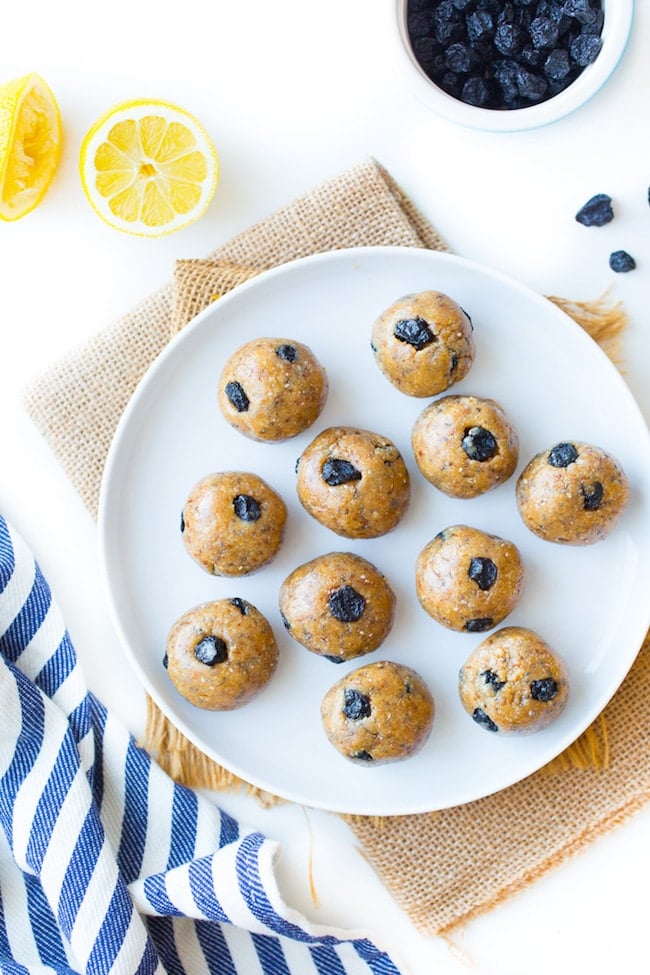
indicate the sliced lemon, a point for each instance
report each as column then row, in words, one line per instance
column 30, row 144
column 148, row 168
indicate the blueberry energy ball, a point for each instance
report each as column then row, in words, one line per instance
column 221, row 654
column 338, row 605
column 465, row 445
column 423, row 343
column 513, row 682
column 233, row 523
column 504, row 54
column 272, row 389
column 354, row 482
column 382, row 712
column 572, row 494
column 469, row 580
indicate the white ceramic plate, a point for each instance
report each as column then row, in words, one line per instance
column 590, row 603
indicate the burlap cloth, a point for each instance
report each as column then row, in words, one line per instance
column 442, row 867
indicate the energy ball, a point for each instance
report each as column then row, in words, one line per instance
column 338, row 605
column 272, row 389
column 233, row 523
column 572, row 494
column 423, row 343
column 513, row 682
column 354, row 482
column 469, row 580
column 379, row 713
column 465, row 445
column 221, row 654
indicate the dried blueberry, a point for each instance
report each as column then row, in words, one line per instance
column 557, row 65
column 508, row 39
column 621, row 262
column 479, row 444
column 460, row 57
column 479, row 625
column 483, row 572
column 211, row 650
column 596, row 212
column 531, row 85
column 333, row 659
column 543, row 32
column 415, row 331
column 287, row 352
column 346, row 604
column 484, row 720
column 562, row 454
column 240, row 604
column 165, row 661
column 479, row 25
column 475, row 91
column 182, row 523
column 285, row 622
column 493, row 680
column 336, row 471
column 363, row 755
column 592, row 495
column 585, row 48
column 581, row 10
column 356, row 705
column 544, row 690
column 235, row 393
column 246, row 507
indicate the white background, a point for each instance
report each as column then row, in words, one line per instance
column 293, row 92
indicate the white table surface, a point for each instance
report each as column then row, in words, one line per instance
column 293, row 92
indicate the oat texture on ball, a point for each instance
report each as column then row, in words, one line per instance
column 354, row 482
column 572, row 493
column 513, row 682
column 337, row 605
column 465, row 445
column 423, row 343
column 382, row 712
column 272, row 389
column 221, row 654
column 232, row 523
column 469, row 580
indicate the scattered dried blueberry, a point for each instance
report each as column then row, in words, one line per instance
column 346, row 604
column 493, row 680
column 484, row 720
column 592, row 495
column 241, row 605
column 182, row 523
column 285, row 622
column 333, row 659
column 479, row 444
column 479, row 625
column 336, row 471
column 621, row 262
column 596, row 212
column 459, row 44
column 415, row 331
column 235, row 393
column 562, row 454
column 165, row 661
column 356, row 705
column 544, row 690
column 483, row 572
column 287, row 352
column 211, row 650
column 246, row 507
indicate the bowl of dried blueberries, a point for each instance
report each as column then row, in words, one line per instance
column 505, row 65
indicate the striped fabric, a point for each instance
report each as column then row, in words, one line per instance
column 107, row 865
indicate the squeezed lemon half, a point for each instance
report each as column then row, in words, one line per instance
column 148, row 167
column 30, row 144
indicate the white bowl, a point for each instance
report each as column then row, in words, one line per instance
column 619, row 15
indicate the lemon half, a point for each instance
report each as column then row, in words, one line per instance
column 148, row 167
column 30, row 144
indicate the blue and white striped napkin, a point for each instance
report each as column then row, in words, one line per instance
column 106, row 864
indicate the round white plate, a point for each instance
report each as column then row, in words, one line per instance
column 589, row 603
